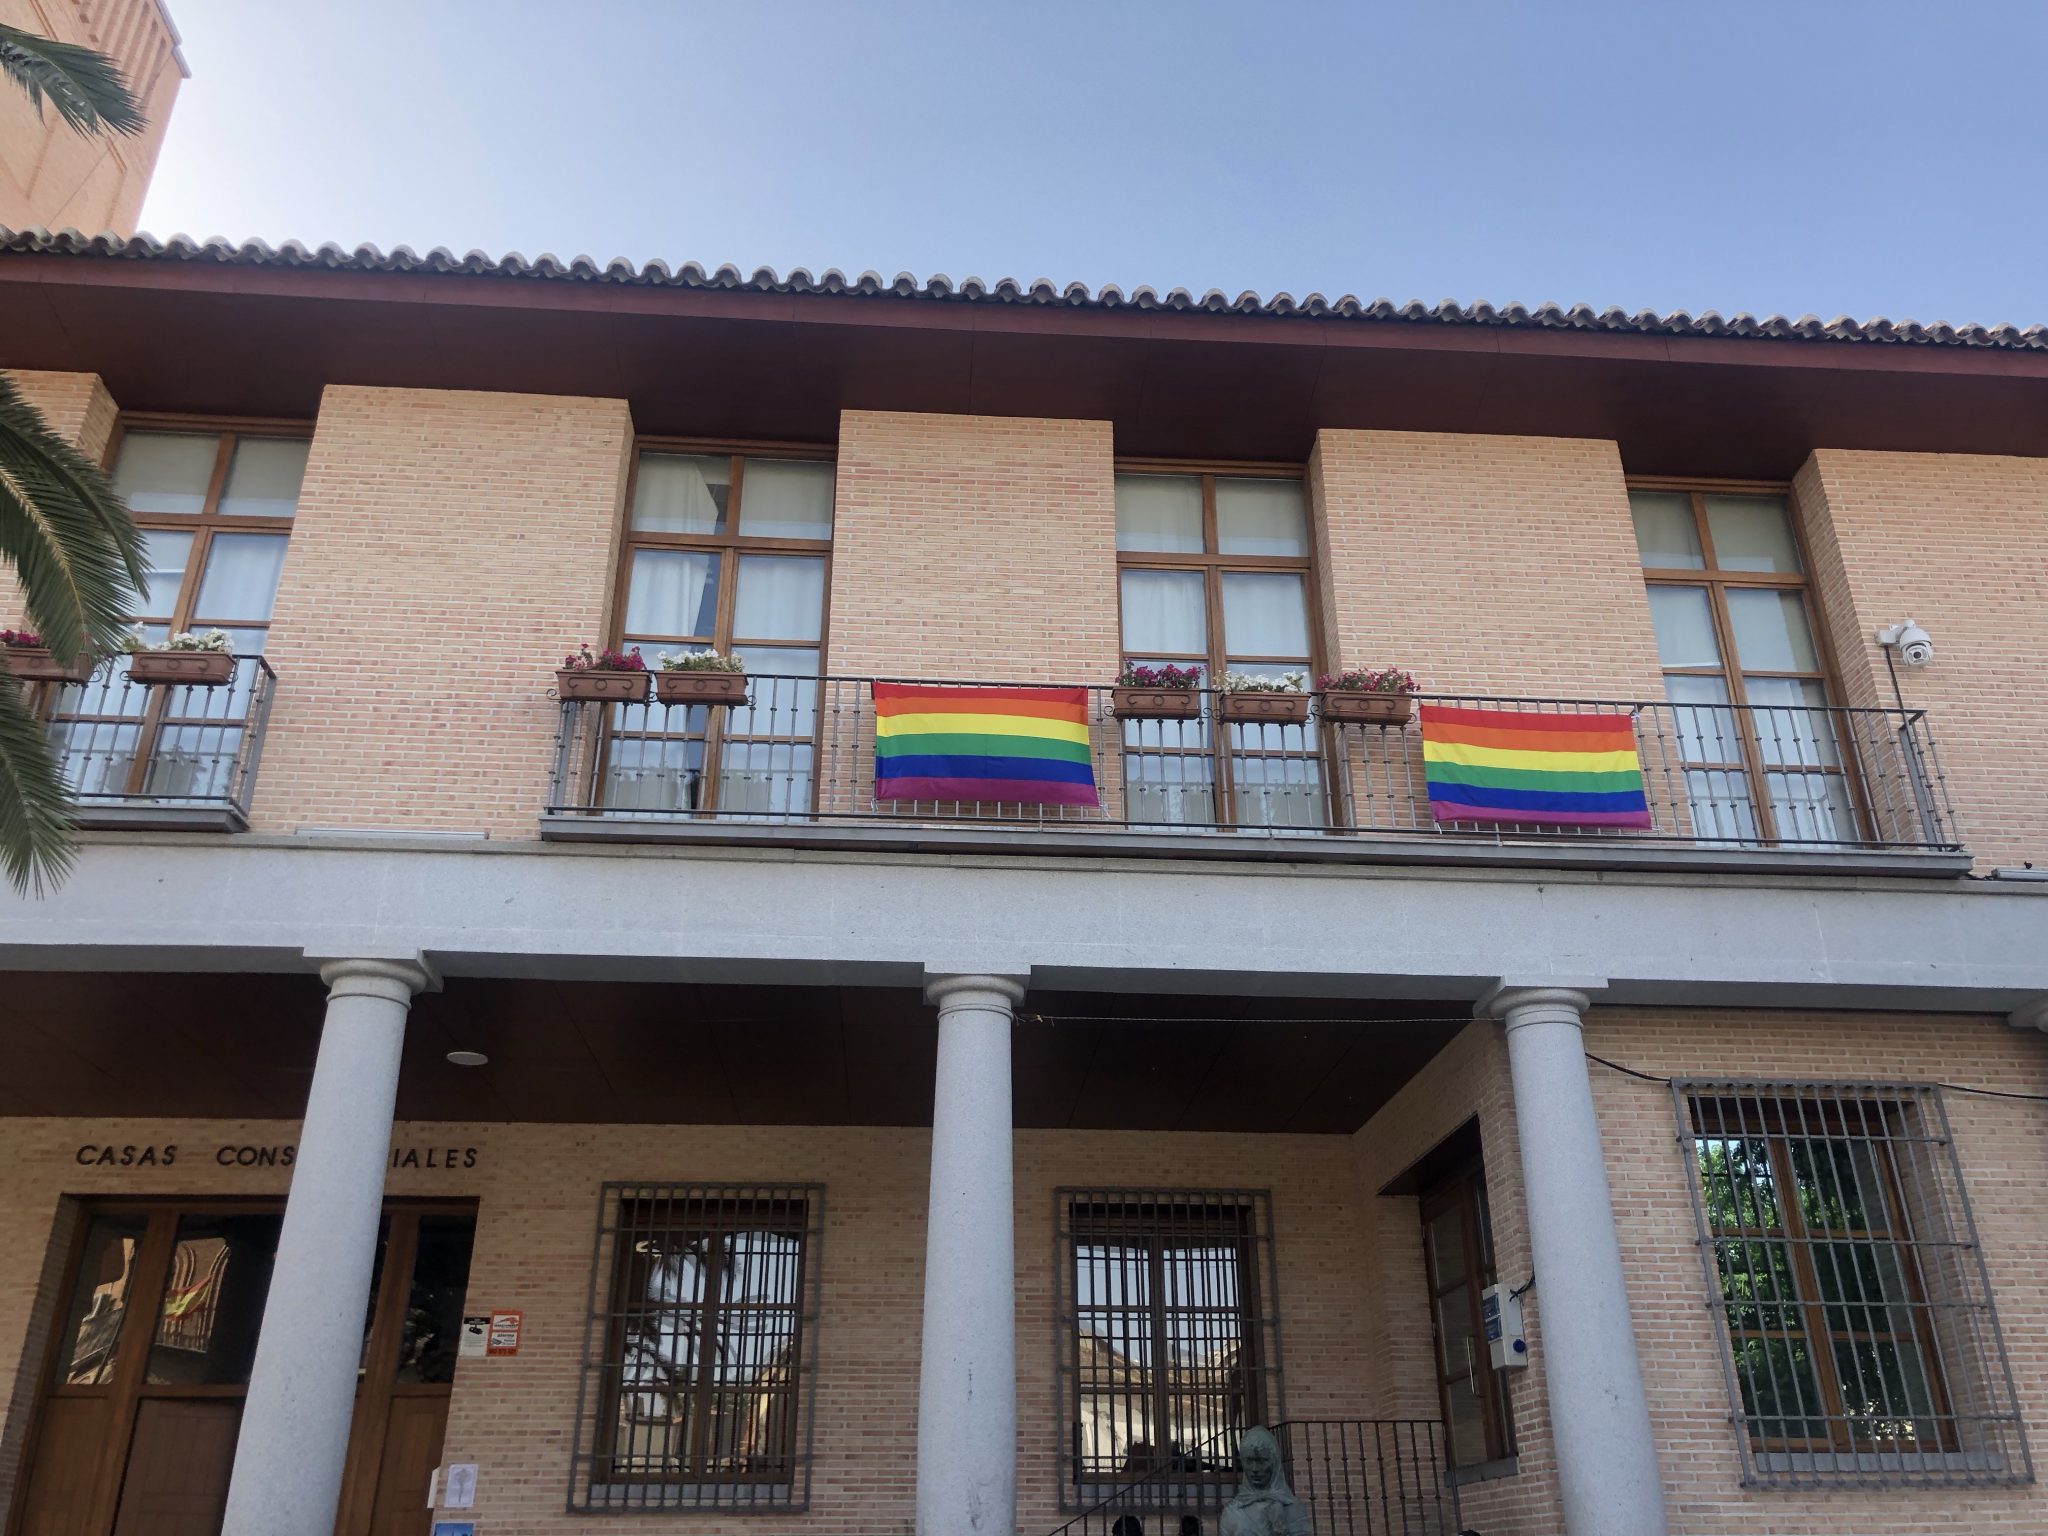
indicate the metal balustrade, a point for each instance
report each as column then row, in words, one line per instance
column 1716, row 776
column 161, row 755
column 1354, row 1477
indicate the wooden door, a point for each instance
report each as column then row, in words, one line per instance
column 178, row 1466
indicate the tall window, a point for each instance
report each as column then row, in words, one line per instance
column 1214, row 572
column 702, row 1347
column 1861, row 1337
column 1457, row 1239
column 730, row 552
column 215, row 510
column 1167, row 1354
column 1736, row 626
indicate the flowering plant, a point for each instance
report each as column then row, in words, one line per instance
column 183, row 640
column 1258, row 682
column 24, row 638
column 1135, row 675
column 700, row 661
column 583, row 659
column 1367, row 680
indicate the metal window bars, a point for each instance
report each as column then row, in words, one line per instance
column 1841, row 1258
column 699, row 1368
column 1169, row 1330
column 1354, row 1477
column 128, row 747
column 802, row 752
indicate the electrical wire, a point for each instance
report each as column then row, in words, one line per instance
column 1612, row 1066
column 1987, row 1093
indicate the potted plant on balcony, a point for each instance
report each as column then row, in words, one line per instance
column 1281, row 700
column 1156, row 693
column 605, row 676
column 1366, row 696
column 29, row 659
column 701, row 677
column 186, row 659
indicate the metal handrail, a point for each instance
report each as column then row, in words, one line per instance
column 1790, row 776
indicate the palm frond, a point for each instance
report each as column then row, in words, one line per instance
column 86, row 88
column 36, row 846
column 74, row 548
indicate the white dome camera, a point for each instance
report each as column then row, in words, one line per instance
column 1914, row 645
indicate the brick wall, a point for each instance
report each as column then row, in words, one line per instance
column 1482, row 564
column 537, row 1187
column 1959, row 542
column 449, row 548
column 975, row 547
column 77, row 407
column 2003, row 1146
column 54, row 176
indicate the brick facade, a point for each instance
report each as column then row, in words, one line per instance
column 77, row 407
column 52, row 176
column 1959, row 542
column 1354, row 1317
column 1492, row 565
column 974, row 547
column 448, row 550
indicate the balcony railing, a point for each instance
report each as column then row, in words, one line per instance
column 1744, row 780
column 161, row 755
column 1354, row 1477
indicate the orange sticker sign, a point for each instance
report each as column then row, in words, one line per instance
column 504, row 1338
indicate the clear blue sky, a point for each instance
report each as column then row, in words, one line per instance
column 1825, row 156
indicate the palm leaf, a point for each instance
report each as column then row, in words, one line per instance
column 35, row 806
column 64, row 529
column 86, row 88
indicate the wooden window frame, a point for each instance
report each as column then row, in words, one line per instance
column 204, row 526
column 1464, row 1190
column 1751, row 760
column 729, row 546
column 1213, row 565
column 127, row 1386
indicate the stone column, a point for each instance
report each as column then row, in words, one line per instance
column 288, row 1461
column 1600, row 1421
column 967, row 1376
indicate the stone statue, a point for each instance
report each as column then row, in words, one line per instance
column 1265, row 1505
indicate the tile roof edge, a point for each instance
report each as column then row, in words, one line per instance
column 1040, row 291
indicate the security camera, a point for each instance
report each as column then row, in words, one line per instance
column 1914, row 645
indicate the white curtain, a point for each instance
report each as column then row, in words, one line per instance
column 1164, row 613
column 786, row 499
column 1264, row 614
column 781, row 597
column 681, row 493
column 241, row 578
column 166, row 471
column 1260, row 517
column 1159, row 514
column 674, row 592
column 264, row 476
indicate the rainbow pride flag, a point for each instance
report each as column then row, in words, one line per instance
column 1505, row 766
column 1024, row 745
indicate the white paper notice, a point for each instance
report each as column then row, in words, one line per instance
column 461, row 1492
column 475, row 1333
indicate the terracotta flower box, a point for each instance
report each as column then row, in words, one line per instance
column 189, row 669
column 1355, row 707
column 602, row 685
column 1154, row 703
column 1275, row 708
column 701, row 687
column 35, row 664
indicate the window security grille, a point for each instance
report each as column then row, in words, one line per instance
column 700, row 1350
column 1169, row 1340
column 1842, row 1258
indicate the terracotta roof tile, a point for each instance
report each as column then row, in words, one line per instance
column 940, row 288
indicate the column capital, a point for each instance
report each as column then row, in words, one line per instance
column 1510, row 996
column 2033, row 1015
column 955, row 989
column 398, row 979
